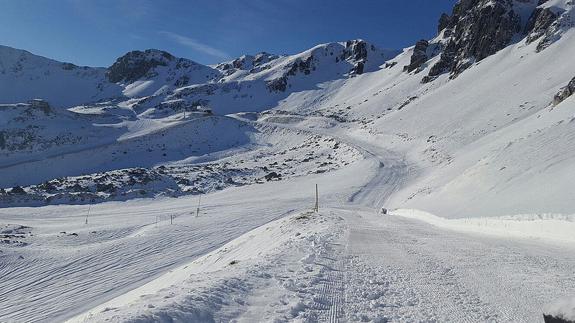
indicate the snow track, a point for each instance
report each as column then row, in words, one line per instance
column 332, row 287
column 408, row 271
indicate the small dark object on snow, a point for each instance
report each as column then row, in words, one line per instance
column 383, row 210
column 273, row 176
column 555, row 319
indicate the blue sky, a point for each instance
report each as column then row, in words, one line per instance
column 96, row 32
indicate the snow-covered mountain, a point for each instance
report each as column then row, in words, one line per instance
column 472, row 131
column 154, row 72
column 24, row 76
column 480, row 78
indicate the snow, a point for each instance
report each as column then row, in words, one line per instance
column 476, row 172
column 553, row 227
column 24, row 76
column 351, row 265
column 231, row 260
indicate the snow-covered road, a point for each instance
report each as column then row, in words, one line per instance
column 353, row 265
column 407, row 270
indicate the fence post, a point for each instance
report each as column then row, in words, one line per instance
column 316, row 200
column 88, row 214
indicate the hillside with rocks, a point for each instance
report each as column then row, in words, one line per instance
column 187, row 192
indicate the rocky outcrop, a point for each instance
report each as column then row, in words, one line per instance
column 444, row 21
column 250, row 63
column 564, row 93
column 304, row 66
column 538, row 26
column 356, row 52
column 475, row 30
column 418, row 57
column 137, row 64
column 277, row 85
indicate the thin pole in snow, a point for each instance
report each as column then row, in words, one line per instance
column 88, row 214
column 198, row 209
column 316, row 208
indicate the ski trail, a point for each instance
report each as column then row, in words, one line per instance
column 403, row 270
column 337, row 279
column 332, row 289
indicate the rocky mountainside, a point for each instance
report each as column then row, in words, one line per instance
column 135, row 112
column 144, row 73
column 477, row 29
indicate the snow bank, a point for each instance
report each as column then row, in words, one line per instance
column 557, row 227
column 200, row 290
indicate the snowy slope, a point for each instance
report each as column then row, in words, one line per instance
column 24, row 76
column 469, row 146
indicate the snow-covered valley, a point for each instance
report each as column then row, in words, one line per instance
column 164, row 190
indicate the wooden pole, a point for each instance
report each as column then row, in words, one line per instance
column 88, row 214
column 316, row 200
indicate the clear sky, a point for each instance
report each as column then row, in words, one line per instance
column 96, row 32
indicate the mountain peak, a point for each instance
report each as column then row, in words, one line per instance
column 136, row 64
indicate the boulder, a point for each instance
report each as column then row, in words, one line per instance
column 272, row 176
column 565, row 92
column 418, row 57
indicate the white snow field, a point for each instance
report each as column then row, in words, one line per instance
column 100, row 190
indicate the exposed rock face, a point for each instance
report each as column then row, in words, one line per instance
column 356, row 53
column 277, row 85
column 418, row 57
column 444, row 21
column 301, row 65
column 137, row 64
column 250, row 63
column 565, row 92
column 475, row 30
column 357, row 69
column 355, row 50
column 538, row 25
